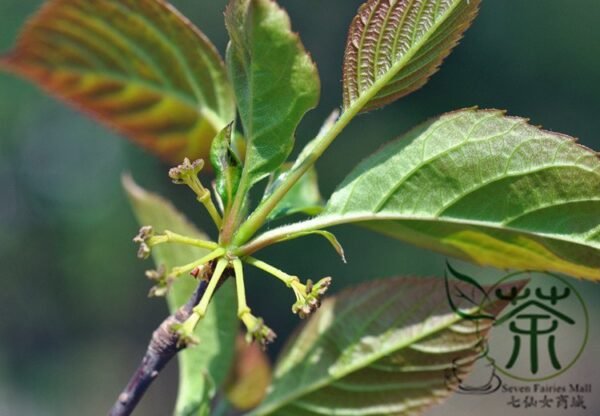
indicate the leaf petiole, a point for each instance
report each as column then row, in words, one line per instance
column 317, row 148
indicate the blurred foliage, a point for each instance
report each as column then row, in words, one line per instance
column 74, row 317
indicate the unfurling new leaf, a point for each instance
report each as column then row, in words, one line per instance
column 139, row 67
column 394, row 46
column 227, row 166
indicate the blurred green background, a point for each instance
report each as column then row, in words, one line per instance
column 74, row 316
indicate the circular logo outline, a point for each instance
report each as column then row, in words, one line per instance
column 585, row 337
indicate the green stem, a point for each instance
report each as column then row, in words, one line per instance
column 283, row 233
column 241, row 288
column 205, row 199
column 321, row 143
column 178, row 271
column 259, row 216
column 201, row 308
column 188, row 327
column 199, row 311
column 280, row 274
column 233, row 217
column 171, row 237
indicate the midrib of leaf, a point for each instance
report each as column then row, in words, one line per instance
column 244, row 184
column 374, row 387
column 366, row 96
column 360, row 364
column 446, row 207
column 384, row 409
column 479, row 186
column 377, row 410
column 331, row 220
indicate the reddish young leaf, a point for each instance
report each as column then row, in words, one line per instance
column 394, row 46
column 250, row 376
column 138, row 66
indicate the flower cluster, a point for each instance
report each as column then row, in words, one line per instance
column 309, row 296
column 142, row 238
column 215, row 264
column 163, row 282
column 187, row 172
column 257, row 330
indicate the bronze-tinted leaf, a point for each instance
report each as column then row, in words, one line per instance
column 250, row 376
column 394, row 46
column 136, row 65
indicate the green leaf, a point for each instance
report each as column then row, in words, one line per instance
column 480, row 186
column 387, row 347
column 204, row 367
column 274, row 79
column 303, row 197
column 139, row 67
column 394, row 47
column 227, row 166
column 485, row 187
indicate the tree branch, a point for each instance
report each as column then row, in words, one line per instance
column 162, row 348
